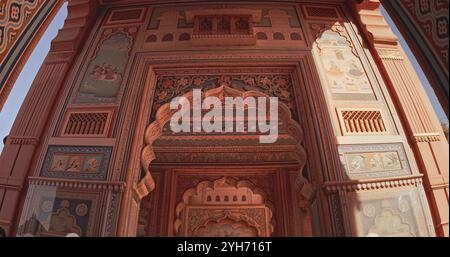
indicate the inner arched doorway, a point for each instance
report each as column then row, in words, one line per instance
column 205, row 184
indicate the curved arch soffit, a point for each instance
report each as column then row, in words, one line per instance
column 164, row 113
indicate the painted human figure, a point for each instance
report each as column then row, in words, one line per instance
column 74, row 164
column 92, row 165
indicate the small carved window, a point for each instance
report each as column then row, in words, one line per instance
column 223, row 25
column 205, row 25
column 261, row 36
column 278, row 36
column 87, row 124
column 242, row 25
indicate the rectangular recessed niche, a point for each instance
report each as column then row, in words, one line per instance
column 87, row 124
column 362, row 121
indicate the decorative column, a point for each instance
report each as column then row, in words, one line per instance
column 423, row 129
column 18, row 156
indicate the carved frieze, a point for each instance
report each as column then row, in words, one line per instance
column 52, row 212
column 91, row 122
column 389, row 214
column 226, row 157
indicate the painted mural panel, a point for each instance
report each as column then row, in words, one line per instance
column 374, row 161
column 346, row 77
column 389, row 214
column 76, row 162
column 103, row 78
column 56, row 213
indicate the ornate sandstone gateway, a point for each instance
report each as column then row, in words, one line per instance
column 360, row 151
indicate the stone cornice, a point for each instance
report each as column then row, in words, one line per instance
column 372, row 184
column 78, row 184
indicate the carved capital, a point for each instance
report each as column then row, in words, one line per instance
column 144, row 187
column 306, row 190
column 22, row 140
column 390, row 54
column 375, row 26
column 373, row 184
column 81, row 14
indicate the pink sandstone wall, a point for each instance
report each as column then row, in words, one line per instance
column 373, row 147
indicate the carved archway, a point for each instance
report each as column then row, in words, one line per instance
column 225, row 207
column 164, row 113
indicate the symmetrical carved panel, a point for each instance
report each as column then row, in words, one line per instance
column 54, row 212
column 76, row 162
column 374, row 161
column 345, row 75
column 389, row 214
column 230, row 156
column 93, row 123
column 225, row 25
column 225, row 207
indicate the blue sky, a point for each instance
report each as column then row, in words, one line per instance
column 23, row 83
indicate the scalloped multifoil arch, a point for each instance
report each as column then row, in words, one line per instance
column 259, row 197
column 164, row 113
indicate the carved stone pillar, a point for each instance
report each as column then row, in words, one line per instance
column 17, row 158
column 424, row 132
